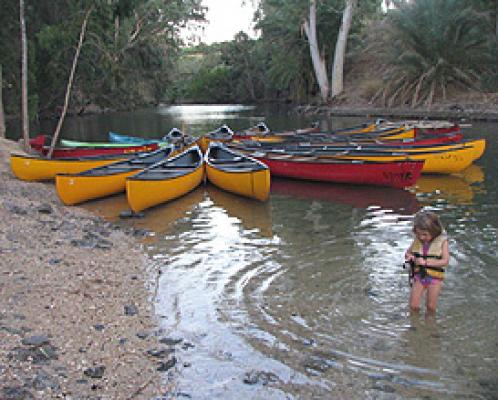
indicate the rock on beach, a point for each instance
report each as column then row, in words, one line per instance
column 65, row 272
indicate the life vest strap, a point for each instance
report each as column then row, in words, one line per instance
column 438, row 269
column 426, row 257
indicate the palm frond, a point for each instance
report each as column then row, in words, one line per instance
column 432, row 44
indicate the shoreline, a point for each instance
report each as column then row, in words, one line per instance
column 455, row 110
column 76, row 312
column 485, row 112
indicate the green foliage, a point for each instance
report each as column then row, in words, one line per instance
column 125, row 61
column 289, row 66
column 221, row 72
column 247, row 62
column 431, row 47
column 275, row 67
column 10, row 55
column 211, row 85
column 290, row 71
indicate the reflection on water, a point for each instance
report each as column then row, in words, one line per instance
column 319, row 305
column 203, row 110
column 251, row 213
column 356, row 196
column 304, row 296
column 155, row 221
column 454, row 189
column 198, row 119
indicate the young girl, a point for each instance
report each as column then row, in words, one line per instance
column 429, row 251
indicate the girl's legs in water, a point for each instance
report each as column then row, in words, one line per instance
column 416, row 295
column 433, row 291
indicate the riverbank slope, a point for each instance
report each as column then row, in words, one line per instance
column 76, row 316
column 462, row 107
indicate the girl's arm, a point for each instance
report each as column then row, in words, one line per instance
column 408, row 254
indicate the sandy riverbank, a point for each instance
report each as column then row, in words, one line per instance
column 76, row 316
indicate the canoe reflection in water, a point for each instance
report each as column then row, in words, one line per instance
column 455, row 188
column 251, row 213
column 157, row 220
column 358, row 196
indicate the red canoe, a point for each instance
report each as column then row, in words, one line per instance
column 436, row 131
column 428, row 140
column 39, row 142
column 79, row 152
column 399, row 174
column 425, row 140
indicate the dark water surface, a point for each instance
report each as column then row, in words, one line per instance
column 304, row 296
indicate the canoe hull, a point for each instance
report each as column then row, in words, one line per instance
column 107, row 180
column 253, row 184
column 446, row 160
column 392, row 174
column 75, row 189
column 92, row 152
column 93, row 145
column 479, row 147
column 203, row 142
column 134, row 140
column 143, row 194
column 29, row 168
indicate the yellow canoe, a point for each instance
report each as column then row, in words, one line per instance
column 364, row 134
column 445, row 159
column 397, row 134
column 237, row 173
column 222, row 134
column 30, row 168
column 105, row 180
column 165, row 180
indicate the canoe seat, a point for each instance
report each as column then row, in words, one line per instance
column 238, row 165
column 178, row 166
column 168, row 170
column 224, row 161
column 123, row 167
column 138, row 160
column 242, row 167
column 277, row 156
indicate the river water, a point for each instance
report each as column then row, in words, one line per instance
column 304, row 296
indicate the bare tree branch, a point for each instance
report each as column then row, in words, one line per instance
column 70, row 83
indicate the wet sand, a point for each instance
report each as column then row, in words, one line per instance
column 76, row 313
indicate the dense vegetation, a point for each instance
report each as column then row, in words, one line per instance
column 126, row 59
column 416, row 53
column 436, row 47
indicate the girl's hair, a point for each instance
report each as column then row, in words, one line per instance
column 427, row 221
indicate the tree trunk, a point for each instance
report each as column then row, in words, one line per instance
column 24, row 79
column 340, row 49
column 70, row 83
column 2, row 115
column 496, row 20
column 318, row 61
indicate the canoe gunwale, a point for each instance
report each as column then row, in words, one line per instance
column 237, row 159
column 237, row 172
column 137, row 163
column 166, row 167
